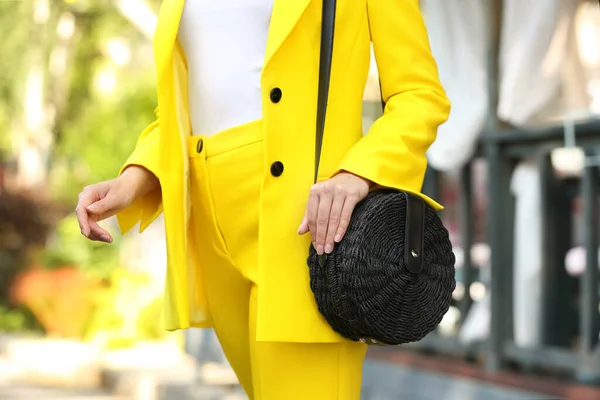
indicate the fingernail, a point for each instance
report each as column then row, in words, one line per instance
column 319, row 250
column 106, row 238
column 84, row 233
column 328, row 249
column 91, row 207
column 337, row 238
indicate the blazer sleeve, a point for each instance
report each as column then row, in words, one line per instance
column 392, row 154
column 146, row 154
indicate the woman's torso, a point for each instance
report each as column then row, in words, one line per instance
column 286, row 309
column 224, row 44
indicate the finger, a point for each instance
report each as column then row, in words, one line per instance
column 334, row 221
column 103, row 208
column 349, row 204
column 98, row 233
column 312, row 209
column 82, row 219
column 324, row 209
column 303, row 228
column 85, row 199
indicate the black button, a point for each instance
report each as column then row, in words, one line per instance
column 199, row 146
column 276, row 95
column 277, row 168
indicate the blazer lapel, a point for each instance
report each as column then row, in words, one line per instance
column 284, row 17
column 166, row 32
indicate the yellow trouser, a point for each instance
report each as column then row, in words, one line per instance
column 227, row 170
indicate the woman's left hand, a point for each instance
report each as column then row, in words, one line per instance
column 330, row 207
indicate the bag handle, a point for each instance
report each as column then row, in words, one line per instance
column 327, row 29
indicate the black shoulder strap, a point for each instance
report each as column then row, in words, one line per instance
column 327, row 29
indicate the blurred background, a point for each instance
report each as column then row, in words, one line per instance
column 516, row 166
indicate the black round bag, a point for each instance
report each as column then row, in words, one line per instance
column 390, row 280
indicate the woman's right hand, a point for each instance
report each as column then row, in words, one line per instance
column 105, row 199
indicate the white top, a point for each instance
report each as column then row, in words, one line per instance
column 224, row 43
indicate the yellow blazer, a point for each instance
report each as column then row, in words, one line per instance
column 392, row 154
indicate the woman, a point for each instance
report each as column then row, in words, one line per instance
column 230, row 161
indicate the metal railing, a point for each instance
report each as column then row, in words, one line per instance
column 569, row 306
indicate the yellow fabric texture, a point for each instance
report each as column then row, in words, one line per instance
column 391, row 154
column 226, row 177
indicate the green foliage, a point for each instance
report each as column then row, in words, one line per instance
column 17, row 319
column 4, row 139
column 93, row 136
column 68, row 247
column 95, row 133
column 14, row 38
column 11, row 320
column 97, row 142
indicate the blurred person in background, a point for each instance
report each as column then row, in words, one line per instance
column 230, row 162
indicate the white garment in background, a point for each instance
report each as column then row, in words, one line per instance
column 541, row 72
column 527, row 264
column 224, row 43
column 457, row 35
column 476, row 327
